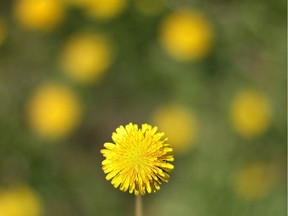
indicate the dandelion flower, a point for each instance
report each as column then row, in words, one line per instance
column 20, row 201
column 139, row 160
column 179, row 124
column 253, row 181
column 186, row 35
column 39, row 14
column 250, row 113
column 53, row 111
column 85, row 57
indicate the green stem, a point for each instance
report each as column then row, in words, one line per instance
column 138, row 205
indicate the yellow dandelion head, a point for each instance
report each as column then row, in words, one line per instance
column 250, row 113
column 2, row 31
column 186, row 35
column 253, row 181
column 139, row 160
column 85, row 57
column 150, row 7
column 20, row 201
column 104, row 9
column 179, row 125
column 53, row 111
column 39, row 14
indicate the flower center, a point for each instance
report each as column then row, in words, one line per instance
column 136, row 157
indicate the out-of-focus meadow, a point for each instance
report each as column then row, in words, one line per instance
column 210, row 74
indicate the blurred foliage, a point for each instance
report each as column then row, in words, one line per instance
column 211, row 74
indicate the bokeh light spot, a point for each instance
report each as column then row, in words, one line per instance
column 250, row 113
column 186, row 35
column 85, row 57
column 39, row 14
column 20, row 201
column 253, row 181
column 53, row 111
column 179, row 124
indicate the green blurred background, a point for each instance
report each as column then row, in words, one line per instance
column 223, row 102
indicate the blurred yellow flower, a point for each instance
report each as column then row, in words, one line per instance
column 20, row 201
column 139, row 160
column 250, row 113
column 253, row 181
column 104, row 9
column 53, row 111
column 2, row 31
column 85, row 57
column 150, row 7
column 39, row 14
column 179, row 125
column 186, row 35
